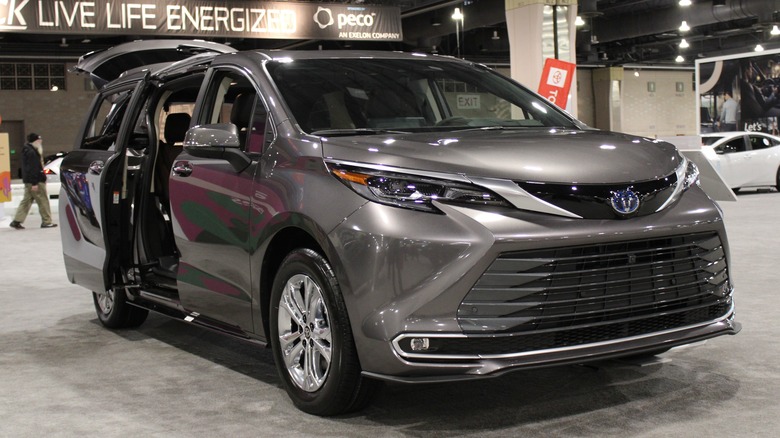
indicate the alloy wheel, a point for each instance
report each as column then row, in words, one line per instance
column 105, row 301
column 305, row 332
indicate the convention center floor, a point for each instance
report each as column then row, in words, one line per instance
column 62, row 374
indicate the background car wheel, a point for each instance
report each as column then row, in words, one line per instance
column 114, row 312
column 777, row 180
column 312, row 340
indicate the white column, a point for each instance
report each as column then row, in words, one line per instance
column 531, row 40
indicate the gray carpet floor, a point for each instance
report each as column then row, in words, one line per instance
column 61, row 374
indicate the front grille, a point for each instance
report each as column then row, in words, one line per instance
column 592, row 201
column 600, row 292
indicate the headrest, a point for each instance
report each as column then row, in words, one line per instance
column 176, row 126
column 242, row 110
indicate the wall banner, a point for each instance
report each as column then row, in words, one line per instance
column 203, row 18
column 5, row 168
column 556, row 81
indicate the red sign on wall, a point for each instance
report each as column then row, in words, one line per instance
column 556, row 81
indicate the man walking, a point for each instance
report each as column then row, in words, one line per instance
column 34, row 184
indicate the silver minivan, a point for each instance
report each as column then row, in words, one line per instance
column 378, row 216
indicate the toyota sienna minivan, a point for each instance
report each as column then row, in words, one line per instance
column 377, row 216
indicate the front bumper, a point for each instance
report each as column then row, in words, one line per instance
column 449, row 368
column 405, row 274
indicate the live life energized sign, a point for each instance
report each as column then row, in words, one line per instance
column 203, row 18
column 556, row 81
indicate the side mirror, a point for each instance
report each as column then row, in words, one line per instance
column 219, row 141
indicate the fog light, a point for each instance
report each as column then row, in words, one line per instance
column 420, row 344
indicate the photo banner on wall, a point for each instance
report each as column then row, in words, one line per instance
column 555, row 82
column 203, row 18
column 752, row 80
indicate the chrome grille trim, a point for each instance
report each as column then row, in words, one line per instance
column 726, row 319
column 570, row 287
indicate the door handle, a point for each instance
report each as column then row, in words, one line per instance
column 182, row 168
column 96, row 167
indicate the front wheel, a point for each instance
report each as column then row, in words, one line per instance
column 312, row 341
column 114, row 312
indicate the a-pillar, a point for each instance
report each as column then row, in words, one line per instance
column 607, row 93
column 532, row 39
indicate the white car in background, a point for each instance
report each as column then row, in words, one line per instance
column 52, row 171
column 744, row 159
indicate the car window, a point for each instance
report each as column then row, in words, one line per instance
column 710, row 140
column 760, row 142
column 103, row 127
column 406, row 95
column 233, row 99
column 735, row 145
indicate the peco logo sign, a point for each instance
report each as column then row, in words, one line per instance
column 228, row 18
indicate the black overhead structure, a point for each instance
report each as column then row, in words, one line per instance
column 615, row 32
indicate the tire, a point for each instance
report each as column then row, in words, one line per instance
column 312, row 343
column 777, row 180
column 114, row 312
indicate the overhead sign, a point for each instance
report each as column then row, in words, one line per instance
column 556, row 81
column 203, row 18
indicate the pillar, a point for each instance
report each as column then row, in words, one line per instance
column 607, row 94
column 531, row 40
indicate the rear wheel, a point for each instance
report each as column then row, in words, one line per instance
column 115, row 312
column 312, row 340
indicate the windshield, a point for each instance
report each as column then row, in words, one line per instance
column 366, row 96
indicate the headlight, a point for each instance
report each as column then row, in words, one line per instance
column 691, row 175
column 415, row 192
column 688, row 174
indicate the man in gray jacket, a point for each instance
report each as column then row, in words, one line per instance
column 34, row 184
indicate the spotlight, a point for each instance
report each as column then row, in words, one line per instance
column 685, row 2
column 580, row 22
column 759, row 48
column 684, row 44
column 684, row 26
column 775, row 30
column 679, row 58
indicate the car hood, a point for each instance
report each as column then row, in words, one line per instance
column 554, row 156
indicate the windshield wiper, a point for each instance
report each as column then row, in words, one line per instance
column 357, row 131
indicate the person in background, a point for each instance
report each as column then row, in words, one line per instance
column 34, row 184
column 728, row 113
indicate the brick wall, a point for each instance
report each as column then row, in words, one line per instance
column 55, row 115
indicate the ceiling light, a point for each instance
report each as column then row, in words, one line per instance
column 679, row 58
column 580, row 22
column 775, row 30
column 457, row 15
column 684, row 26
column 685, row 2
column 54, row 88
column 495, row 36
column 64, row 43
column 684, row 44
column 636, row 73
column 759, row 48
